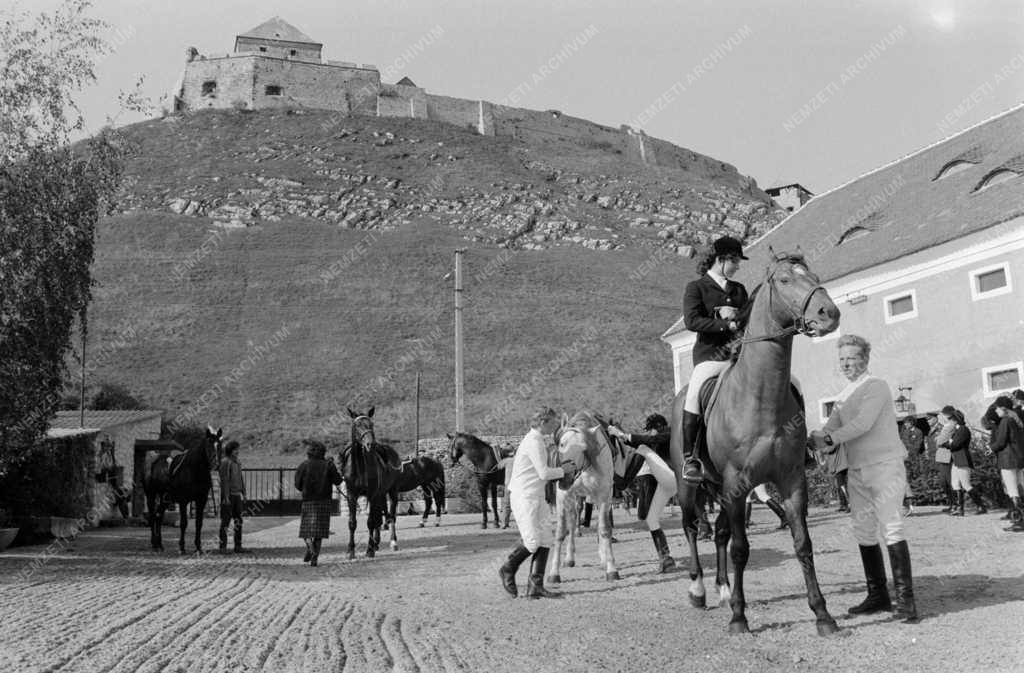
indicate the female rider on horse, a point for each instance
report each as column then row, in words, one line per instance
column 711, row 308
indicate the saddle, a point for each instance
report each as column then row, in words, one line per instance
column 706, row 398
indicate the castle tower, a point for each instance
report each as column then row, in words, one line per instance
column 280, row 39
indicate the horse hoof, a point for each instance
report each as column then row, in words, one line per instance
column 827, row 628
column 370, row 553
column 738, row 627
column 351, row 556
column 483, row 527
column 437, row 524
column 421, row 524
column 554, row 579
column 571, row 563
column 394, row 546
column 698, row 601
column 612, row 576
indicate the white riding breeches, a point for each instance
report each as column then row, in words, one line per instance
column 704, row 371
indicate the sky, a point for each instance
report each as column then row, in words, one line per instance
column 816, row 92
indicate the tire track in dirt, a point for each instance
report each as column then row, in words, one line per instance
column 338, row 650
column 390, row 631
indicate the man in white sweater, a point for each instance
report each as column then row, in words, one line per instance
column 531, row 472
column 864, row 420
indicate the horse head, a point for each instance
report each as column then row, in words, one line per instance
column 454, row 447
column 577, row 445
column 797, row 302
column 362, row 429
column 212, row 446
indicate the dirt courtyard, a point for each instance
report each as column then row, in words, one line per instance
column 106, row 603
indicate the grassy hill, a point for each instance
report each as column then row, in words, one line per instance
column 270, row 269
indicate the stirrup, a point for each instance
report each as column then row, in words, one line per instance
column 693, row 471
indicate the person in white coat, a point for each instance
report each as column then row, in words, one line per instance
column 864, row 419
column 529, row 496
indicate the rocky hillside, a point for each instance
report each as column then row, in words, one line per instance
column 270, row 268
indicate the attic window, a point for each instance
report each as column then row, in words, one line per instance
column 210, row 88
column 263, row 48
column 292, row 52
column 995, row 177
column 955, row 166
column 852, row 233
column 272, row 90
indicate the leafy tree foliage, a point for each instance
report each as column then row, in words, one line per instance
column 114, row 396
column 51, row 197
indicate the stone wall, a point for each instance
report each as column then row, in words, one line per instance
column 401, row 101
column 232, row 78
column 521, row 123
column 297, row 51
column 456, row 111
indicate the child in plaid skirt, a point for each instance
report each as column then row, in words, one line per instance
column 314, row 479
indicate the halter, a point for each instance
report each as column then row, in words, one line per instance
column 365, row 432
column 799, row 325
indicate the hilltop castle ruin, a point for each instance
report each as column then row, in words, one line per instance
column 277, row 65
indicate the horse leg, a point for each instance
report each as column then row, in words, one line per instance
column 734, row 509
column 373, row 522
column 182, row 525
column 352, row 500
column 572, row 515
column 200, row 507
column 688, row 506
column 554, row 570
column 494, row 505
column 604, row 539
column 427, row 496
column 394, row 522
column 155, row 522
column 795, row 504
column 723, row 532
column 439, row 501
column 481, row 485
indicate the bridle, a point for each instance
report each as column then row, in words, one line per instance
column 799, row 325
column 363, row 434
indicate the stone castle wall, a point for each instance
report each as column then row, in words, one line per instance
column 401, row 101
column 455, row 111
column 299, row 51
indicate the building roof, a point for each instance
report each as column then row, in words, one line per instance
column 101, row 419
column 776, row 190
column 909, row 205
column 68, row 433
column 279, row 29
column 405, row 81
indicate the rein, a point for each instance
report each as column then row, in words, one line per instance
column 799, row 325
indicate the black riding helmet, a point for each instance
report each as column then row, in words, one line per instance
column 655, row 422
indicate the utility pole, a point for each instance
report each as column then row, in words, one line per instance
column 417, row 437
column 459, row 402
column 81, row 404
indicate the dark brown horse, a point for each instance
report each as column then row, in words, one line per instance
column 756, row 433
column 485, row 462
column 370, row 470
column 183, row 479
column 420, row 472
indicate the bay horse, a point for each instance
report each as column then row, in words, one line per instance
column 596, row 459
column 370, row 470
column 420, row 472
column 755, row 432
column 183, row 479
column 486, row 463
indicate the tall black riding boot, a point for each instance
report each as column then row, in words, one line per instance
column 668, row 563
column 693, row 471
column 779, row 512
column 507, row 572
column 958, row 507
column 844, row 502
column 238, row 539
column 874, row 572
column 950, row 501
column 903, row 583
column 979, row 504
column 535, row 585
column 315, row 558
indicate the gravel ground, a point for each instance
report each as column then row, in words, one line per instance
column 107, row 603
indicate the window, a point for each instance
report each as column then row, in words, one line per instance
column 272, row 90
column 263, row 48
column 990, row 281
column 293, row 52
column 210, row 88
column 902, row 306
column 825, row 407
column 953, row 167
column 1002, row 379
column 995, row 177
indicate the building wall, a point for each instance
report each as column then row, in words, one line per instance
column 942, row 351
column 242, row 81
column 233, row 77
column 124, row 437
column 401, row 101
column 456, row 111
column 303, row 51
